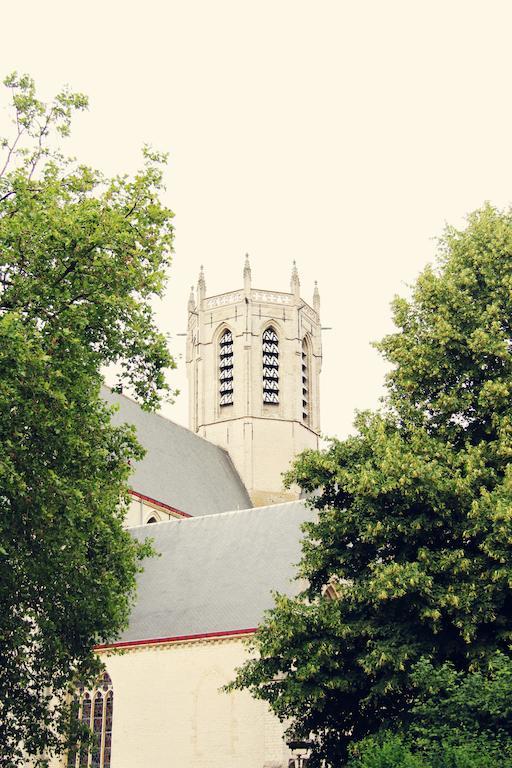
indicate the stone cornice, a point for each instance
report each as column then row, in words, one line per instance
column 168, row 642
column 260, row 296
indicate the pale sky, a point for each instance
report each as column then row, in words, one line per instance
column 343, row 135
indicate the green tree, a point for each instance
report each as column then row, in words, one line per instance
column 392, row 751
column 81, row 256
column 414, row 524
column 389, row 751
column 457, row 720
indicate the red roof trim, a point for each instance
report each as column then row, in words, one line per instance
column 178, row 638
column 159, row 503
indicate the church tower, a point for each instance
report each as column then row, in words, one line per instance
column 253, row 364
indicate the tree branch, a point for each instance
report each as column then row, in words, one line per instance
column 21, row 131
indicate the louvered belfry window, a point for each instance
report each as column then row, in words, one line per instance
column 270, row 343
column 95, row 710
column 226, row 368
column 305, row 382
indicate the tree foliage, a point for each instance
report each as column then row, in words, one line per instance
column 81, row 255
column 414, row 525
column 457, row 720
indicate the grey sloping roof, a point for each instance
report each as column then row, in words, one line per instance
column 216, row 573
column 180, row 468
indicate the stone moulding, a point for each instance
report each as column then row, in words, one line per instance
column 223, row 299
column 272, row 297
column 126, row 645
column 263, row 297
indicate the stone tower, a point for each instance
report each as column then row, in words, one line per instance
column 253, row 365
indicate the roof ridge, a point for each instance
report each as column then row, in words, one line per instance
column 216, row 514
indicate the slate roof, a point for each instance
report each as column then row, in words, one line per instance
column 180, row 468
column 216, row 573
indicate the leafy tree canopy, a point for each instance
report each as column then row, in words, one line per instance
column 81, row 256
column 457, row 720
column 414, row 525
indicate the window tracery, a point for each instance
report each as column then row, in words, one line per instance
column 95, row 712
column 107, row 744
column 270, row 349
column 86, row 721
column 226, row 368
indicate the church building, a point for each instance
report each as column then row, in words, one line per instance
column 227, row 532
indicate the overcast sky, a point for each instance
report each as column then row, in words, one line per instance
column 343, row 135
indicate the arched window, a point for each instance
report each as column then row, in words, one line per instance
column 107, row 743
column 306, row 383
column 226, row 368
column 95, row 710
column 97, row 730
column 151, row 520
column 86, row 720
column 270, row 348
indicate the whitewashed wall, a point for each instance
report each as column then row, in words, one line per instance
column 169, row 711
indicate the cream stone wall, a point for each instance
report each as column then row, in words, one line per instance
column 261, row 450
column 169, row 711
column 141, row 511
column 261, row 439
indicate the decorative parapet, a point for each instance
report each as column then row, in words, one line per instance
column 272, row 297
column 263, row 297
column 224, row 298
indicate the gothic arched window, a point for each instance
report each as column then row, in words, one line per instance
column 270, row 348
column 107, row 737
column 306, row 383
column 86, row 721
column 226, row 368
column 97, row 730
column 95, row 710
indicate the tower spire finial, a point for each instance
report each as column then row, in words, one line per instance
column 247, row 275
column 191, row 300
column 316, row 298
column 295, row 282
column 201, row 285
